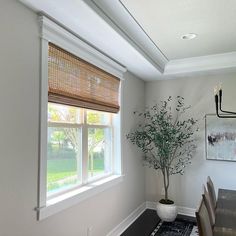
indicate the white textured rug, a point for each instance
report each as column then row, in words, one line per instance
column 180, row 227
column 194, row 231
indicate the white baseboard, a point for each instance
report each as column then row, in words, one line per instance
column 186, row 211
column 151, row 205
column 119, row 229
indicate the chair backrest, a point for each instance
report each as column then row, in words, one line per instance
column 203, row 220
column 209, row 206
column 211, row 190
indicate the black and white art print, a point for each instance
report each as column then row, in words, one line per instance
column 220, row 138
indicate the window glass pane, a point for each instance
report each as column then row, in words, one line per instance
column 98, row 118
column 99, row 151
column 64, row 158
column 62, row 113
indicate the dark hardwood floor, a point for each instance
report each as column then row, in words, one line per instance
column 146, row 223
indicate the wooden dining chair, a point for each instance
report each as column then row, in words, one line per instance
column 203, row 220
column 209, row 206
column 211, row 190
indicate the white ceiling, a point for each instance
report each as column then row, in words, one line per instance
column 144, row 35
column 165, row 21
column 79, row 18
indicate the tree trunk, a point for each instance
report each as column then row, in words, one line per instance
column 166, row 182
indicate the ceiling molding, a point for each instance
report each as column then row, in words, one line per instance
column 119, row 36
column 54, row 33
column 211, row 63
column 118, row 17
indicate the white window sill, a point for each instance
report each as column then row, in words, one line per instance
column 73, row 197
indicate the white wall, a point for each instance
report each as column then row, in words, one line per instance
column 19, row 137
column 198, row 92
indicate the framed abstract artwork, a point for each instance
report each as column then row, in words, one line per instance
column 220, row 138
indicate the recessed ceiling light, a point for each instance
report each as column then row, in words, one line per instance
column 189, row 36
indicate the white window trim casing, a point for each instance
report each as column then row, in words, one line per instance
column 52, row 32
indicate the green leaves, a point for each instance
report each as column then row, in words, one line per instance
column 165, row 138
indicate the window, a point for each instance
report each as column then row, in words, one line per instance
column 80, row 150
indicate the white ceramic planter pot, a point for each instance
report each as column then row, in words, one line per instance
column 167, row 212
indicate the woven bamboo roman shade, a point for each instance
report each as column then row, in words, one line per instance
column 75, row 82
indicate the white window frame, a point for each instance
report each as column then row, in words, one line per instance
column 51, row 32
column 84, row 126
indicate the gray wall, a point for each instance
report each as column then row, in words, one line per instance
column 19, row 104
column 198, row 92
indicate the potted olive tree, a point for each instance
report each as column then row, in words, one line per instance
column 166, row 138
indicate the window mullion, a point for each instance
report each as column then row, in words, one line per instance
column 111, row 118
column 85, row 150
column 63, row 125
